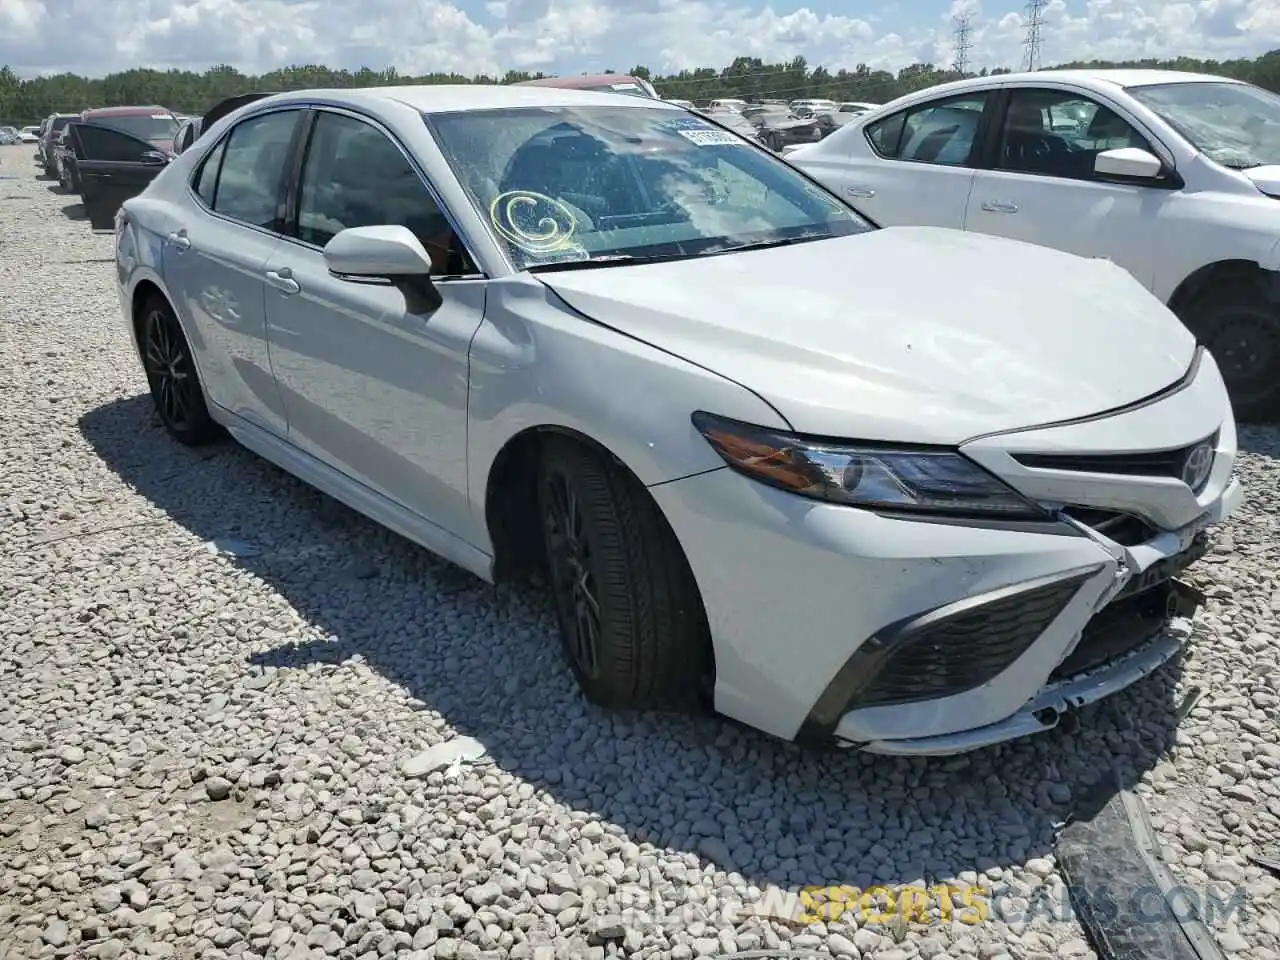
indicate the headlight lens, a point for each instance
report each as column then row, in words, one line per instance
column 928, row 480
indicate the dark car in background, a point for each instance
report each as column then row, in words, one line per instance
column 779, row 126
column 156, row 125
column 53, row 127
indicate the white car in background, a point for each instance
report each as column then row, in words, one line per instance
column 1174, row 176
column 536, row 328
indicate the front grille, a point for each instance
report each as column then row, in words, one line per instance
column 1123, row 528
column 1159, row 463
column 941, row 657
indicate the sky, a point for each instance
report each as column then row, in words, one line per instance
column 95, row 37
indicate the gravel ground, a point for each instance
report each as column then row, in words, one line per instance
column 311, row 738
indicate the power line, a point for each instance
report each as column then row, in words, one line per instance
column 1035, row 27
column 963, row 41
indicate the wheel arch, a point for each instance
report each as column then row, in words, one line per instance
column 510, row 497
column 1222, row 272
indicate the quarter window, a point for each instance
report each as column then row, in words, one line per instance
column 252, row 170
column 206, row 182
column 1057, row 133
column 355, row 176
column 941, row 131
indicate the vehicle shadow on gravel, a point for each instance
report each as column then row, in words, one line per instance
column 1258, row 440
column 487, row 659
column 74, row 211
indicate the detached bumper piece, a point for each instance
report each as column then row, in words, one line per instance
column 947, row 651
column 1123, row 894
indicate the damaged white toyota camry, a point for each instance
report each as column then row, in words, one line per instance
column 909, row 490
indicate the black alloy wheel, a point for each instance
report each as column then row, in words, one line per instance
column 573, row 577
column 171, row 374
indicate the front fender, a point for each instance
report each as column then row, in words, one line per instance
column 535, row 362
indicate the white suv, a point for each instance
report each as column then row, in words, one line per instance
column 1174, row 176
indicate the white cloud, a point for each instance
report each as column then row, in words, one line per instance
column 489, row 36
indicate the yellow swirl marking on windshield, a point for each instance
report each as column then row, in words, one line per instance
column 551, row 232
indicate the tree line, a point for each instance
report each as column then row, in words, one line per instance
column 28, row 101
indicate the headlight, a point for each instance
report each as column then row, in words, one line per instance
column 874, row 475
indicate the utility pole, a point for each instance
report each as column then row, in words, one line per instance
column 1035, row 26
column 963, row 41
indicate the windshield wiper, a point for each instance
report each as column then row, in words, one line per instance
column 765, row 244
column 604, row 260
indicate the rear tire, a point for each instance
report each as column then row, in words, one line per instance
column 630, row 615
column 171, row 374
column 1241, row 328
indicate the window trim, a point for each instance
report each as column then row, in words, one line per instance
column 200, row 165
column 980, row 135
column 293, row 190
column 1153, row 144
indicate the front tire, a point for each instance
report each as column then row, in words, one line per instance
column 1241, row 328
column 171, row 374
column 630, row 615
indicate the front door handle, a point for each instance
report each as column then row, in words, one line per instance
column 864, row 193
column 180, row 239
column 991, row 206
column 283, row 281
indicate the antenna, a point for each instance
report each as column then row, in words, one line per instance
column 1035, row 24
column 963, row 41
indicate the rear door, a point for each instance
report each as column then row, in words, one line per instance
column 114, row 166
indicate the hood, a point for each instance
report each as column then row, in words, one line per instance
column 1265, row 178
column 908, row 334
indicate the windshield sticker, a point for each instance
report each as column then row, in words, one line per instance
column 534, row 222
column 711, row 138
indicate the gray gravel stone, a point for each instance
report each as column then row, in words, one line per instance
column 401, row 764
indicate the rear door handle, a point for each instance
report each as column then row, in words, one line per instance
column 180, row 240
column 283, row 281
column 865, row 193
column 991, row 206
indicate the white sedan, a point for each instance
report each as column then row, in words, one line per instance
column 1174, row 176
column 532, row 328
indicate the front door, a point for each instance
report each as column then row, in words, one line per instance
column 1042, row 188
column 114, row 166
column 374, row 379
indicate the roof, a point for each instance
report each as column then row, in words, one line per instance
column 1121, row 77
column 570, row 83
column 443, row 98
column 124, row 111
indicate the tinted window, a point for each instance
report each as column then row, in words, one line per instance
column 157, row 126
column 1058, row 133
column 941, row 131
column 252, row 171
column 354, row 176
column 102, row 143
column 206, row 180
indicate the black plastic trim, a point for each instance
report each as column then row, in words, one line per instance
column 862, row 667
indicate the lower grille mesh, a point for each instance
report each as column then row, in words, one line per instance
column 963, row 651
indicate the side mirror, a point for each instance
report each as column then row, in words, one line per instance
column 1128, row 162
column 388, row 253
column 383, row 252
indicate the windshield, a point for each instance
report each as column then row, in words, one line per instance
column 57, row 123
column 1236, row 124
column 146, row 126
column 571, row 184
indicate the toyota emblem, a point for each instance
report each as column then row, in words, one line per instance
column 1195, row 469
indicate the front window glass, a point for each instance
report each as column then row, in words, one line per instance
column 1236, row 124
column 557, row 184
column 151, row 126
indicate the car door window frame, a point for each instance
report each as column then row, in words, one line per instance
column 218, row 149
column 989, row 158
column 293, row 190
column 980, row 134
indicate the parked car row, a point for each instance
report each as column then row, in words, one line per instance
column 1173, row 176
column 909, row 490
column 107, row 154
